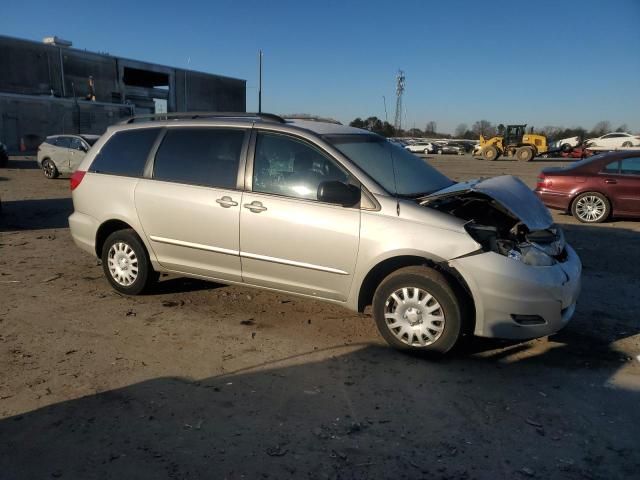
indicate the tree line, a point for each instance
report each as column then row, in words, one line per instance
column 481, row 127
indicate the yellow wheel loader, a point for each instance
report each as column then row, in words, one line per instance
column 515, row 143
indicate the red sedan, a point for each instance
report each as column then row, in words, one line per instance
column 594, row 188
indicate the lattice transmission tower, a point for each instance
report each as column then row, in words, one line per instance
column 399, row 91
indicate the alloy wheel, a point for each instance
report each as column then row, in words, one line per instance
column 590, row 208
column 49, row 169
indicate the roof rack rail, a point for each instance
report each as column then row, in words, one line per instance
column 198, row 115
column 311, row 118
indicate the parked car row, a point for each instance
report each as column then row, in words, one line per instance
column 440, row 147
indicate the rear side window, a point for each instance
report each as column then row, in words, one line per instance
column 63, row 142
column 125, row 153
column 200, row 156
column 630, row 166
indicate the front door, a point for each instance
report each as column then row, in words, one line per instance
column 190, row 207
column 288, row 239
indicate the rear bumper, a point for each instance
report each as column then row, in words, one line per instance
column 517, row 301
column 83, row 231
column 557, row 200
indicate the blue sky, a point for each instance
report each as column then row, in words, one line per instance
column 568, row 63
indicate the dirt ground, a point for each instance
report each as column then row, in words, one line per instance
column 199, row 380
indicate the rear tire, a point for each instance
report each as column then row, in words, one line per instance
column 524, row 154
column 627, row 144
column 489, row 153
column 126, row 264
column 591, row 207
column 416, row 309
column 49, row 169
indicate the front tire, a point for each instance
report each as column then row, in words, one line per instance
column 126, row 263
column 489, row 153
column 627, row 144
column 416, row 309
column 591, row 207
column 49, row 169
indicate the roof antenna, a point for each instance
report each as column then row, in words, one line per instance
column 260, row 82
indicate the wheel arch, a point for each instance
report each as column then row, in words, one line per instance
column 385, row 267
column 107, row 228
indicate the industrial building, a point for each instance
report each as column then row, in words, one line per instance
column 50, row 88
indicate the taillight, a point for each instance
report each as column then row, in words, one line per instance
column 76, row 178
column 543, row 182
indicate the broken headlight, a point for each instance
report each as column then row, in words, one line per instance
column 538, row 249
column 531, row 255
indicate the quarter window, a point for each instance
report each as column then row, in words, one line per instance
column 76, row 143
column 630, row 166
column 200, row 156
column 286, row 166
column 125, row 153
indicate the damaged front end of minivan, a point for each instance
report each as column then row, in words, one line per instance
column 504, row 217
column 525, row 278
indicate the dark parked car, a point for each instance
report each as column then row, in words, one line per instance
column 594, row 188
column 4, row 156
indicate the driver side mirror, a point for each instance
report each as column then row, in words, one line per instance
column 338, row 193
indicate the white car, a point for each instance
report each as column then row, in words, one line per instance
column 615, row 140
column 421, row 147
column 566, row 143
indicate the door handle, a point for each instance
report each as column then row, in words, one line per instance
column 226, row 202
column 255, row 206
column 610, row 180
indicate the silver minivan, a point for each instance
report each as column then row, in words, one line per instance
column 61, row 154
column 324, row 211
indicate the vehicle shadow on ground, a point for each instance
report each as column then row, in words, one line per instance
column 25, row 164
column 369, row 413
column 182, row 285
column 35, row 214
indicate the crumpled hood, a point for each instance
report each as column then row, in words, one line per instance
column 510, row 192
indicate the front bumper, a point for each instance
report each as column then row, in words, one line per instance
column 506, row 291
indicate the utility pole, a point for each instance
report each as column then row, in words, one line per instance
column 260, row 82
column 399, row 91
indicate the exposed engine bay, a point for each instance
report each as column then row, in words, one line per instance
column 498, row 230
